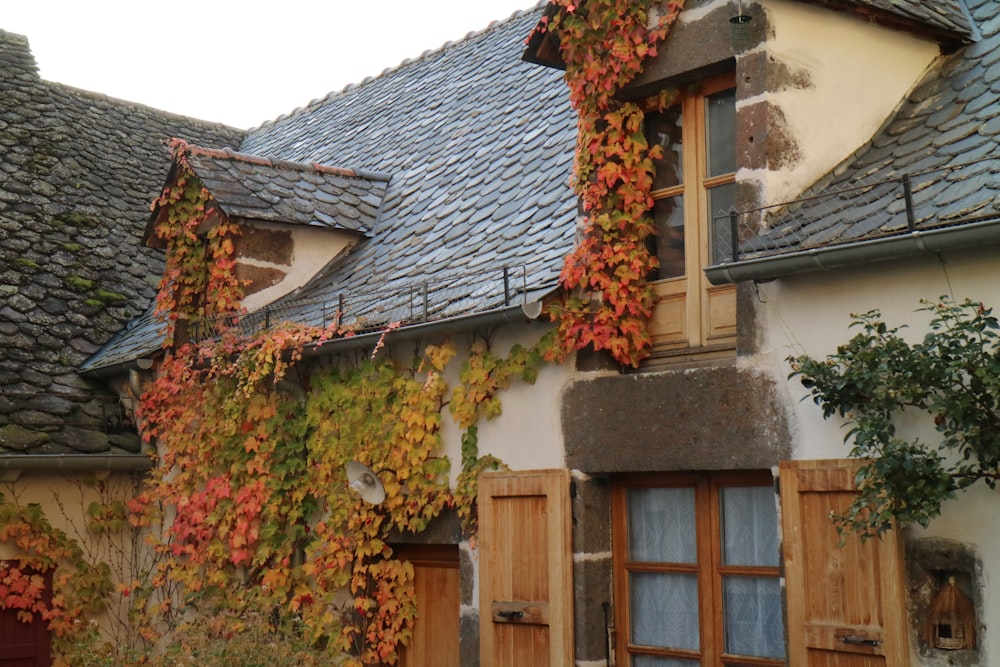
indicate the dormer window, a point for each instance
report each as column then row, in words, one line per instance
column 694, row 180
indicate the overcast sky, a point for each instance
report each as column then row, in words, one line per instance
column 239, row 62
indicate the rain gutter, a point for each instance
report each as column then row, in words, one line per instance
column 922, row 242
column 18, row 463
column 520, row 313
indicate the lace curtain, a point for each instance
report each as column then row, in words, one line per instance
column 664, row 605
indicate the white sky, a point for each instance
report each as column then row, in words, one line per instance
column 239, row 62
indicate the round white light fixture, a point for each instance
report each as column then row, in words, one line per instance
column 365, row 482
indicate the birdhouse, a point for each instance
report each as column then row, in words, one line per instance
column 951, row 619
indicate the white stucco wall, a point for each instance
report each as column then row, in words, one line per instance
column 528, row 435
column 810, row 314
column 312, row 249
column 857, row 73
column 64, row 499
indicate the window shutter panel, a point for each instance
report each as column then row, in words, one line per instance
column 846, row 603
column 525, row 569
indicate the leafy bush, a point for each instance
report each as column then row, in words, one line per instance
column 878, row 379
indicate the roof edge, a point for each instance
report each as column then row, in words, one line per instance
column 428, row 53
column 522, row 313
column 955, row 237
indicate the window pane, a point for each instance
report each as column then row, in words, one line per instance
column 661, row 525
column 663, row 128
column 664, row 610
column 657, row 661
column 752, row 616
column 720, row 109
column 669, row 216
column 749, row 526
column 721, row 200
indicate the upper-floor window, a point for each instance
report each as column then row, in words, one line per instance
column 695, row 179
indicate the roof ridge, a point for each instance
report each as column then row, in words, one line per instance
column 228, row 153
column 404, row 63
column 164, row 114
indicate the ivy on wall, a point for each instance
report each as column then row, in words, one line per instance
column 65, row 572
column 199, row 280
column 604, row 44
column 248, row 512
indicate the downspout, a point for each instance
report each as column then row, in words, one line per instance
column 925, row 242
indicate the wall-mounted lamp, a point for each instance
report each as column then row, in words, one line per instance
column 365, row 482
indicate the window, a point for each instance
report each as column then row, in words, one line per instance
column 695, row 179
column 696, row 571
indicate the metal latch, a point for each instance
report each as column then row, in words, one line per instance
column 860, row 641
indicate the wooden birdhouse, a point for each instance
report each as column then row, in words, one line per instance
column 951, row 619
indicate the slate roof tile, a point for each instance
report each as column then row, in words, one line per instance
column 462, row 131
column 945, row 14
column 79, row 172
column 283, row 191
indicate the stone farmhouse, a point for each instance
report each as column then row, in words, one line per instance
column 822, row 158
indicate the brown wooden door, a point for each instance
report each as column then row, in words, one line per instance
column 846, row 604
column 436, row 583
column 526, row 569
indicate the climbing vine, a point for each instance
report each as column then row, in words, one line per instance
column 483, row 376
column 604, row 44
column 250, row 497
column 883, row 385
column 65, row 576
column 199, row 281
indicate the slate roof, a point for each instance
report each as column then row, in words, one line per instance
column 945, row 138
column 254, row 188
column 480, row 147
column 77, row 173
column 478, row 212
column 947, row 15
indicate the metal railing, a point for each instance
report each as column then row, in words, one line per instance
column 867, row 209
column 405, row 302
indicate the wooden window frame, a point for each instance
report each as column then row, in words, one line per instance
column 691, row 316
column 709, row 567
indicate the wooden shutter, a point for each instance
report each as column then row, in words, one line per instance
column 846, row 604
column 525, row 569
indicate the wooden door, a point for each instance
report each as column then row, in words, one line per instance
column 526, row 569
column 436, row 583
column 846, row 603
